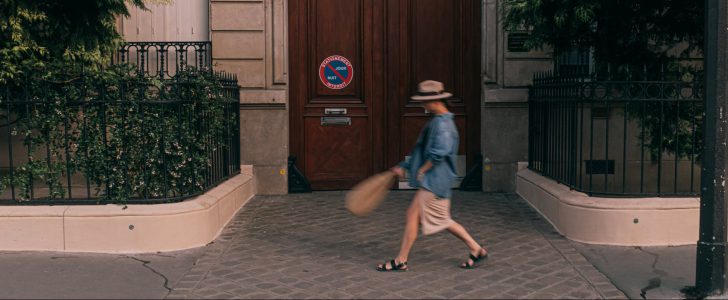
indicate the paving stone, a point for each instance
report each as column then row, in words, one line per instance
column 222, row 272
column 338, row 295
column 464, row 288
column 549, row 280
column 206, row 293
column 266, row 286
column 222, row 296
column 542, row 296
column 303, row 285
column 520, row 292
column 196, row 272
column 240, row 292
column 177, row 295
column 604, row 286
column 185, row 285
column 288, row 280
column 194, row 278
column 536, row 285
column 449, row 294
column 580, row 294
column 614, row 295
column 281, row 290
column 260, row 295
column 236, row 276
column 308, row 246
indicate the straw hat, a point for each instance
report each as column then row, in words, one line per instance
column 431, row 90
column 368, row 194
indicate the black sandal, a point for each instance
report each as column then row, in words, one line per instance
column 394, row 266
column 475, row 259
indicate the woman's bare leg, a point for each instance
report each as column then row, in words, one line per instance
column 475, row 249
column 410, row 233
column 410, row 229
column 459, row 231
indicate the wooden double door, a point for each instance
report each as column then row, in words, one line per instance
column 349, row 122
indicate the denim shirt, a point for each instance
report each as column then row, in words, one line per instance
column 438, row 142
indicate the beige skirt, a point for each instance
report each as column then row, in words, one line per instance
column 434, row 212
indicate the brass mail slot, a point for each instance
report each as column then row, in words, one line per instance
column 335, row 111
column 335, row 121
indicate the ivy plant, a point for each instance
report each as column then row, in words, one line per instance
column 127, row 135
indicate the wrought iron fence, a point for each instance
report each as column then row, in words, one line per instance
column 165, row 59
column 607, row 136
column 91, row 139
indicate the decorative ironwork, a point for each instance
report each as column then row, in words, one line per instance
column 612, row 137
column 165, row 59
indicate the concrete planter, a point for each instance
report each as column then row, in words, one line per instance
column 134, row 229
column 611, row 221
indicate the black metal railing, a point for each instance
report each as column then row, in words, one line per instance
column 165, row 59
column 615, row 137
column 88, row 139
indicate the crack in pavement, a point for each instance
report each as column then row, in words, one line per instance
column 656, row 281
column 145, row 264
column 163, row 255
column 653, row 284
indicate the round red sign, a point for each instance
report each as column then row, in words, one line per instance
column 336, row 72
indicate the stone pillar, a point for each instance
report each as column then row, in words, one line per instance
column 249, row 38
column 506, row 77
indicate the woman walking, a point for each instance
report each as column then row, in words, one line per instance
column 431, row 169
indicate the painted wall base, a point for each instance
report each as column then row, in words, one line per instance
column 134, row 229
column 611, row 221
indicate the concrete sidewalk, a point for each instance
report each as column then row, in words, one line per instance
column 51, row 275
column 308, row 246
column 645, row 272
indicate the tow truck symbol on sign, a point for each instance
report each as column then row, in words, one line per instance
column 336, row 72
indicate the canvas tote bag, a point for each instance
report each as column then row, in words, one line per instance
column 368, row 194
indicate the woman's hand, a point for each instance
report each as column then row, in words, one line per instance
column 398, row 170
column 425, row 167
column 420, row 175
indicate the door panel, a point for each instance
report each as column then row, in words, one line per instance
column 392, row 45
column 433, row 41
column 343, row 146
column 336, row 31
column 336, row 156
column 436, row 40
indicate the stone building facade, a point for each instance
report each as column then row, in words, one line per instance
column 273, row 46
column 250, row 38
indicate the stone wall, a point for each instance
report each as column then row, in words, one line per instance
column 249, row 39
column 178, row 21
column 506, row 77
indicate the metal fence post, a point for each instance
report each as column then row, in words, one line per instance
column 711, row 262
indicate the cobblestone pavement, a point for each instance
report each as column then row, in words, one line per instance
column 309, row 246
